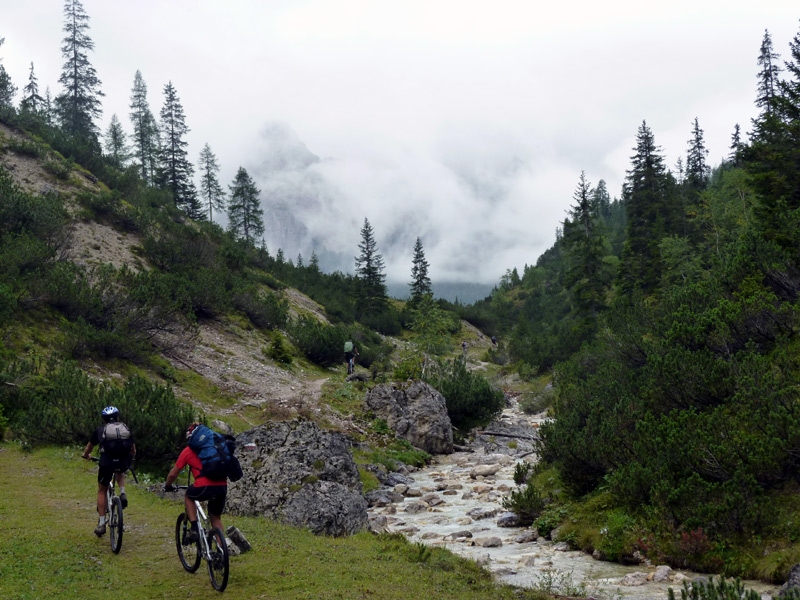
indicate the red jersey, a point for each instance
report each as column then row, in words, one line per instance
column 189, row 457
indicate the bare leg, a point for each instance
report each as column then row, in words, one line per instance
column 191, row 509
column 216, row 521
column 101, row 499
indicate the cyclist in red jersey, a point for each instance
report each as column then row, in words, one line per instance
column 201, row 489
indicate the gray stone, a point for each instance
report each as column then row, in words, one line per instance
column 508, row 519
column 299, row 475
column 416, row 412
column 793, row 581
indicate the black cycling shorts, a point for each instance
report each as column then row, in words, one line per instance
column 107, row 467
column 214, row 494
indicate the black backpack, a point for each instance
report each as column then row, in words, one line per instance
column 116, row 440
column 216, row 454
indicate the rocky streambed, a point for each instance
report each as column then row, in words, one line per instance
column 456, row 503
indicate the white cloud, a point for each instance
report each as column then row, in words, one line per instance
column 466, row 123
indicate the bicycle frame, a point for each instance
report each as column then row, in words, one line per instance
column 211, row 546
column 113, row 514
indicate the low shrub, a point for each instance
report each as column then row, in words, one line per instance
column 526, row 502
column 278, row 350
column 471, row 400
column 57, row 403
column 320, row 343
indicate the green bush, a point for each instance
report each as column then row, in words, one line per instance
column 409, row 367
column 723, row 590
column 264, row 309
column 471, row 400
column 320, row 343
column 57, row 403
column 386, row 322
column 526, row 502
column 278, row 350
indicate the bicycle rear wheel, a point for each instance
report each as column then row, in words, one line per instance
column 218, row 561
column 115, row 524
column 189, row 555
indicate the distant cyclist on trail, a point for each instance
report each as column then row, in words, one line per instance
column 117, row 452
column 201, row 489
column 350, row 352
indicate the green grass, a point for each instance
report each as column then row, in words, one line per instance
column 51, row 551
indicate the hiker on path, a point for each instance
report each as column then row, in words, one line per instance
column 350, row 352
column 215, row 491
column 117, row 451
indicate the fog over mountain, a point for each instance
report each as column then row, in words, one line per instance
column 450, row 199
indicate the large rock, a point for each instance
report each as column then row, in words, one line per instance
column 416, row 412
column 792, row 583
column 300, row 475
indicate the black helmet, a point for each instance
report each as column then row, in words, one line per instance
column 110, row 413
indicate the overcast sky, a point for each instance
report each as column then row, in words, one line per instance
column 464, row 122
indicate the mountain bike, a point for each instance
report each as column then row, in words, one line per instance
column 114, row 509
column 210, row 546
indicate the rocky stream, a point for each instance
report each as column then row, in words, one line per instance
column 456, row 503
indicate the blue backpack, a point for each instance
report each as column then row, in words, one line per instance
column 216, row 453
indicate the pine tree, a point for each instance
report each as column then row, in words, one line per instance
column 49, row 109
column 790, row 87
column 370, row 273
column 601, row 200
column 420, row 282
column 585, row 245
column 768, row 76
column 7, row 92
column 32, row 103
column 773, row 156
column 697, row 169
column 79, row 104
column 245, row 215
column 116, row 143
column 145, row 130
column 650, row 215
column 736, row 146
column 210, row 189
column 175, row 171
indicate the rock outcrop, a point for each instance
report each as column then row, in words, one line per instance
column 300, row 475
column 416, row 412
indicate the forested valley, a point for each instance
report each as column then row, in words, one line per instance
column 659, row 330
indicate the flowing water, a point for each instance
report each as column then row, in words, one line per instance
column 459, row 510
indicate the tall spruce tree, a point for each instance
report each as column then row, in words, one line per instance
column 650, row 214
column 370, row 273
column 773, row 156
column 175, row 171
column 145, row 130
column 116, row 143
column 790, row 87
column 210, row 189
column 7, row 92
column 585, row 247
column 245, row 215
column 78, row 106
column 768, row 76
column 736, row 146
column 697, row 169
column 32, row 103
column 420, row 282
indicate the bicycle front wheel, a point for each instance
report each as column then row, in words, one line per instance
column 218, row 559
column 189, row 555
column 115, row 525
